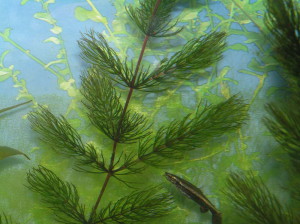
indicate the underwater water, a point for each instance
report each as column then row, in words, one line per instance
column 40, row 61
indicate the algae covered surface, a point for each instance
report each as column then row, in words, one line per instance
column 39, row 61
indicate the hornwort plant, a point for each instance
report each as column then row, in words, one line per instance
column 124, row 126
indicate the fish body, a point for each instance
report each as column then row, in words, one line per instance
column 192, row 192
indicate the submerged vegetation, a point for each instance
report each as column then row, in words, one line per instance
column 124, row 126
column 129, row 138
column 4, row 219
column 249, row 194
column 6, row 151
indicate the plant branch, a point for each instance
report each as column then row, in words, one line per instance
column 111, row 166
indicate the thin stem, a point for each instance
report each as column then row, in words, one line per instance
column 111, row 166
column 249, row 17
column 27, row 52
column 155, row 8
column 12, row 107
column 100, row 15
column 61, row 41
column 137, row 68
column 100, row 196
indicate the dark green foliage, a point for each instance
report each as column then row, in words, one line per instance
column 198, row 53
column 255, row 203
column 62, row 137
column 137, row 207
column 283, row 21
column 97, row 52
column 61, row 197
column 193, row 132
column 118, row 122
column 4, row 219
column 106, row 112
column 152, row 20
column 284, row 124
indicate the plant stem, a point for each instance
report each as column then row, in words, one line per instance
column 100, row 196
column 111, row 165
column 12, row 107
column 249, row 17
column 27, row 52
column 140, row 60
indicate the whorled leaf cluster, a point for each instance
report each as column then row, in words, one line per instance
column 136, row 207
column 283, row 123
column 153, row 18
column 254, row 201
column 198, row 53
column 283, row 21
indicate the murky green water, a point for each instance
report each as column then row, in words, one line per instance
column 40, row 62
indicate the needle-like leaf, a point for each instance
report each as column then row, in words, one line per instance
column 97, row 52
column 137, row 207
column 283, row 21
column 58, row 133
column 198, row 53
column 106, row 112
column 4, row 219
column 61, row 197
column 153, row 19
column 283, row 123
column 193, row 131
column 254, row 202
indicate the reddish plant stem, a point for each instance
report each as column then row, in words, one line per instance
column 140, row 60
column 100, row 196
column 155, row 8
column 112, row 160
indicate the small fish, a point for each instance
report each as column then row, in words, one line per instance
column 196, row 195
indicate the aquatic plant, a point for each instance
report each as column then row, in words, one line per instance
column 6, row 151
column 283, row 22
column 4, row 219
column 125, row 127
column 254, row 201
column 284, row 116
column 248, row 193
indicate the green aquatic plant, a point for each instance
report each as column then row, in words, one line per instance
column 6, row 151
column 283, row 122
column 282, row 20
column 249, row 194
column 4, row 219
column 128, row 129
column 254, row 201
